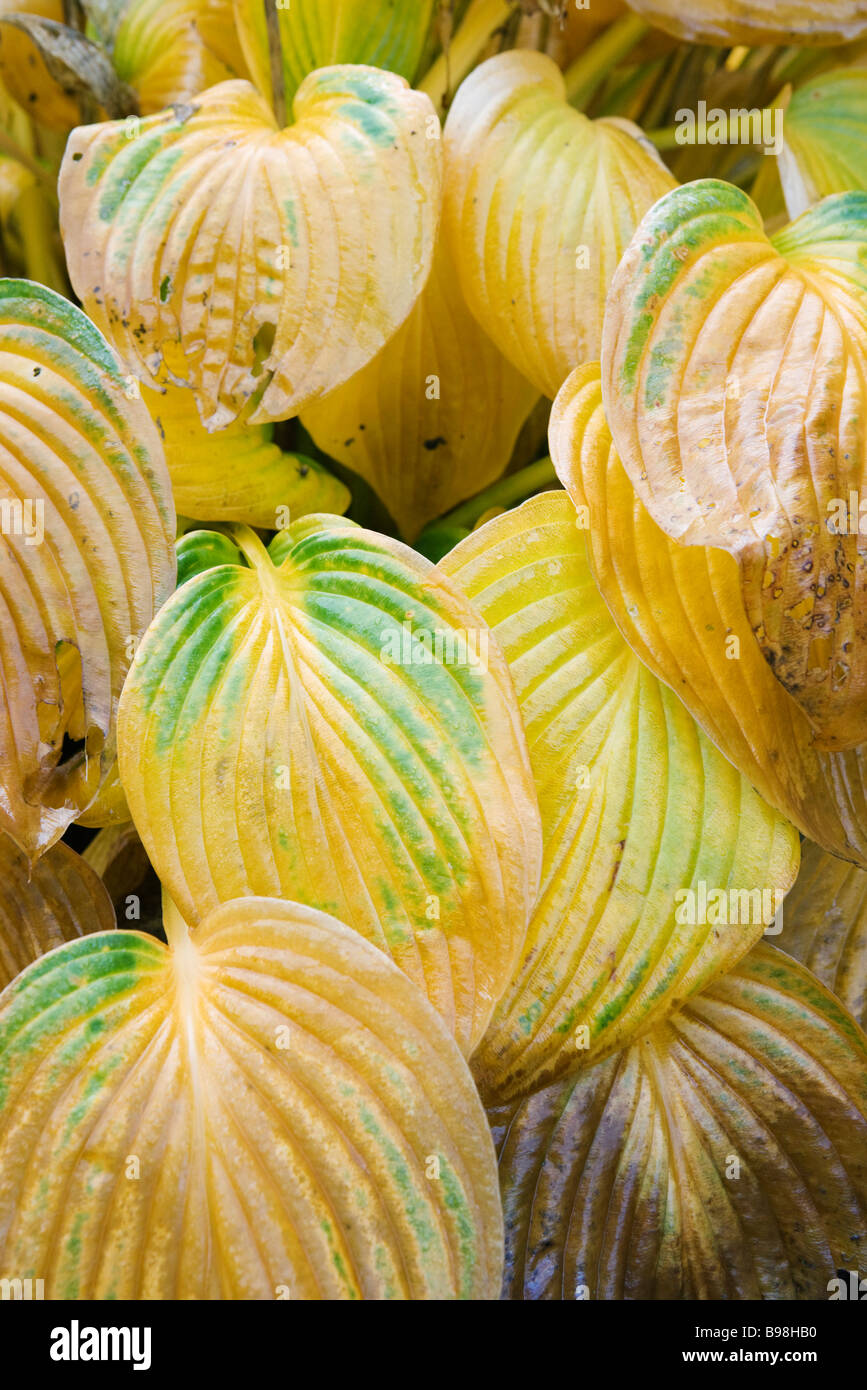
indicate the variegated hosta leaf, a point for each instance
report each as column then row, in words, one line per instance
column 246, row 261
column 515, row 151
column 824, row 136
column 759, row 448
column 316, row 33
column 681, row 610
column 269, row 1110
column 724, row 1156
column 239, row 473
column 825, row 926
column 434, row 418
column 171, row 50
column 86, row 556
column 661, row 866
column 341, row 730
column 724, row 22
column 59, row 899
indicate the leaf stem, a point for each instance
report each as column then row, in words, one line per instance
column 589, row 71
column 480, row 23
column 504, row 493
column 275, row 60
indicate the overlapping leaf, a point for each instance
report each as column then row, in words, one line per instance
column 734, row 373
column 239, row 473
column 317, row 33
column 681, row 610
column 721, row 1157
column 86, row 556
column 641, row 816
column 434, row 418
column 207, row 246
column 24, row 70
column 271, row 1110
column 171, row 50
column 825, row 926
column 515, row 152
column 342, row 730
column 725, row 22
column 60, row 899
column 824, row 134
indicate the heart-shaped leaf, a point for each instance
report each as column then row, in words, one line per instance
column 662, row 866
column 825, row 926
column 271, row 1110
column 207, row 247
column 86, row 557
column 757, row 449
column 340, row 729
column 681, row 610
column 316, row 33
column 515, row 150
column 725, row 22
column 239, row 473
column 824, row 134
column 434, row 418
column 722, row 1157
column 59, row 899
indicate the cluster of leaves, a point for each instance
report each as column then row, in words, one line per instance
column 399, row 751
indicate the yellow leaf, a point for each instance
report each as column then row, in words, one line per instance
column 434, row 418
column 825, row 926
column 60, row 899
column 86, row 556
column 23, row 68
column 205, row 247
column 269, row 1110
column 681, row 610
column 721, row 1157
column 662, row 865
column 238, row 473
column 824, row 134
column 754, row 22
column 540, row 203
column 340, row 728
column 171, row 50
column 759, row 446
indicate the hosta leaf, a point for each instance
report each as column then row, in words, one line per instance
column 317, row 33
column 171, row 50
column 681, row 610
column 639, row 810
column 271, row 1110
column 722, row 1157
column 825, row 926
column 205, row 246
column 755, row 448
column 754, row 22
column 824, row 134
column 86, row 558
column 434, row 418
column 515, row 150
column 117, row 854
column 341, row 730
column 24, row 71
column 239, row 473
column 59, row 899
column 73, row 62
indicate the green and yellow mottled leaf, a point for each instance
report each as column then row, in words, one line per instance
column 515, row 152
column 171, row 50
column 824, row 136
column 208, row 251
column 640, row 816
column 59, row 899
column 282, row 1090
column 724, row 1156
column 681, row 609
column 725, row 22
column 238, row 473
column 318, row 33
column 755, row 447
column 434, row 418
column 825, row 926
column 86, row 556
column 342, row 730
